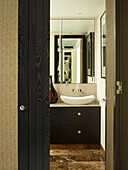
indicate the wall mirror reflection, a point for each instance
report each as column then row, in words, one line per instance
column 103, row 44
column 72, row 51
column 72, row 54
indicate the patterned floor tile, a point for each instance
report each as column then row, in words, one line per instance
column 77, row 157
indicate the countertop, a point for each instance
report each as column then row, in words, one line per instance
column 61, row 104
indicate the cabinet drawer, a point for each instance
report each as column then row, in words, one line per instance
column 79, row 134
column 55, row 135
column 54, row 116
column 54, row 126
column 80, row 116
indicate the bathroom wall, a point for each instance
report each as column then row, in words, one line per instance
column 101, row 89
column 8, row 84
column 74, row 65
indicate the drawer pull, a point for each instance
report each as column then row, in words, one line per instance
column 79, row 114
column 79, row 132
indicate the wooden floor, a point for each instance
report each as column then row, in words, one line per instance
column 77, row 157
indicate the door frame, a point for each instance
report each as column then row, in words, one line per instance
column 117, row 134
column 110, row 82
column 121, row 107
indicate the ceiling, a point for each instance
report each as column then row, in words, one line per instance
column 76, row 8
column 70, row 42
column 72, row 26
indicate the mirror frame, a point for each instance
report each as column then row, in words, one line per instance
column 84, row 76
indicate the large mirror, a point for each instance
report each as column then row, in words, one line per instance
column 72, row 50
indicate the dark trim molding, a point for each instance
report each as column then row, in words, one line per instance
column 121, row 105
column 23, row 86
column 84, row 55
column 117, row 144
column 56, row 59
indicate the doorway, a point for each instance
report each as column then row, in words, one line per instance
column 78, row 70
column 34, row 138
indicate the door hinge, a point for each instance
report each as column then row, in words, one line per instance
column 119, row 87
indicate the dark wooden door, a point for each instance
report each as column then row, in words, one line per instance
column 33, row 85
column 23, row 86
column 121, row 109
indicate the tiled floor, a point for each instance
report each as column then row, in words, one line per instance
column 77, row 157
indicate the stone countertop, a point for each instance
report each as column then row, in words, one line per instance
column 62, row 104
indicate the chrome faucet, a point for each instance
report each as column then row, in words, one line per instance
column 73, row 90
column 79, row 90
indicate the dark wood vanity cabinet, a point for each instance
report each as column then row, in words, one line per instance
column 55, row 125
column 70, row 125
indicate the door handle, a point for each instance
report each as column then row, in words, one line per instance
column 119, row 87
column 22, row 107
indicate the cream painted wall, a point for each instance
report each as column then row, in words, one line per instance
column 74, row 65
column 8, row 84
column 91, row 79
column 101, row 84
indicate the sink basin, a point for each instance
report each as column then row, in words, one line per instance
column 77, row 100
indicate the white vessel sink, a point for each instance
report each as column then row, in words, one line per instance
column 77, row 100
